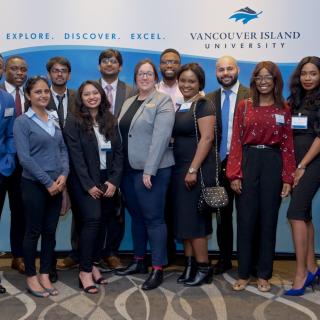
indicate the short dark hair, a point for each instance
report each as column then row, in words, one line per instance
column 13, row 57
column 109, row 53
column 274, row 70
column 297, row 93
column 170, row 50
column 140, row 63
column 197, row 70
column 61, row 60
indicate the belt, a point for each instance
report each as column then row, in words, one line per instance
column 262, row 146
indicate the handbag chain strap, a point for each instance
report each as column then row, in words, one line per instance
column 215, row 147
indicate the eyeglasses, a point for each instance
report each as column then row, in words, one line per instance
column 111, row 60
column 167, row 62
column 56, row 71
column 148, row 74
column 263, row 78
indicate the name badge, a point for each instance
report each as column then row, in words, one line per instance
column 106, row 146
column 185, row 107
column 279, row 119
column 8, row 112
column 299, row 122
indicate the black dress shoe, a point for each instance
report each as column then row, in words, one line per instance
column 2, row 289
column 154, row 280
column 222, row 266
column 53, row 275
column 204, row 275
column 137, row 266
column 189, row 271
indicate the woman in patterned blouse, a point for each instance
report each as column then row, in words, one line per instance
column 260, row 167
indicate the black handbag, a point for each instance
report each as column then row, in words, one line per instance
column 210, row 197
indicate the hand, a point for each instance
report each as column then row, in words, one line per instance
column 297, row 176
column 53, row 189
column 236, row 186
column 285, row 190
column 61, row 182
column 190, row 180
column 147, row 181
column 111, row 189
column 95, row 192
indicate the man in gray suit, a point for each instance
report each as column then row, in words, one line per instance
column 117, row 91
column 225, row 100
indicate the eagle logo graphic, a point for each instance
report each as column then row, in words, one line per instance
column 245, row 14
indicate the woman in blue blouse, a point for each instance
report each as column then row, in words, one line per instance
column 44, row 159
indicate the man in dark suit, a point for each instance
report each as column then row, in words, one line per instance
column 62, row 103
column 16, row 70
column 225, row 100
column 7, row 153
column 110, row 65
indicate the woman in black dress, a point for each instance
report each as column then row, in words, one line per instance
column 305, row 103
column 192, row 226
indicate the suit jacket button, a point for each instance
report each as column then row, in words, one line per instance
column 130, row 135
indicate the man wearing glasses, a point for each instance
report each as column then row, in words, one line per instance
column 16, row 70
column 169, row 65
column 62, row 103
column 117, row 91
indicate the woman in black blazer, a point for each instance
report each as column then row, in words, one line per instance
column 95, row 173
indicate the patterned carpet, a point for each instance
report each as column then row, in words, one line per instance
column 123, row 299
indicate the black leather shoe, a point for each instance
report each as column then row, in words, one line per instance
column 189, row 271
column 222, row 266
column 154, row 280
column 2, row 289
column 137, row 266
column 53, row 275
column 204, row 275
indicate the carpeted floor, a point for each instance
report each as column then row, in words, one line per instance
column 123, row 299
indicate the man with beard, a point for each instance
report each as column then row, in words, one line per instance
column 170, row 62
column 62, row 103
column 169, row 65
column 16, row 70
column 117, row 91
column 7, row 153
column 225, row 100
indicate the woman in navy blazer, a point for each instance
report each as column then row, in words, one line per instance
column 146, row 122
column 95, row 172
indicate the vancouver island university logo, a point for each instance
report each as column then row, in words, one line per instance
column 245, row 14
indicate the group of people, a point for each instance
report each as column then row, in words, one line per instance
column 151, row 149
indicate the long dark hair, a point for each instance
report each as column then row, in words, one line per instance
column 277, row 79
column 297, row 93
column 106, row 121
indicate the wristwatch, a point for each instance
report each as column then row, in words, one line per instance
column 302, row 167
column 192, row 170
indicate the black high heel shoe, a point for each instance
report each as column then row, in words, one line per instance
column 87, row 289
column 204, row 275
column 2, row 289
column 189, row 271
column 136, row 266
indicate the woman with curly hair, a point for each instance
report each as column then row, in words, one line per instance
column 305, row 103
column 260, row 167
column 95, row 173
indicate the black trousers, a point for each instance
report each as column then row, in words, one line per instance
column 91, row 215
column 258, row 205
column 11, row 185
column 42, row 215
column 225, row 225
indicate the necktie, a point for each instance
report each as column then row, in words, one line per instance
column 225, row 124
column 109, row 96
column 60, row 110
column 18, row 102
